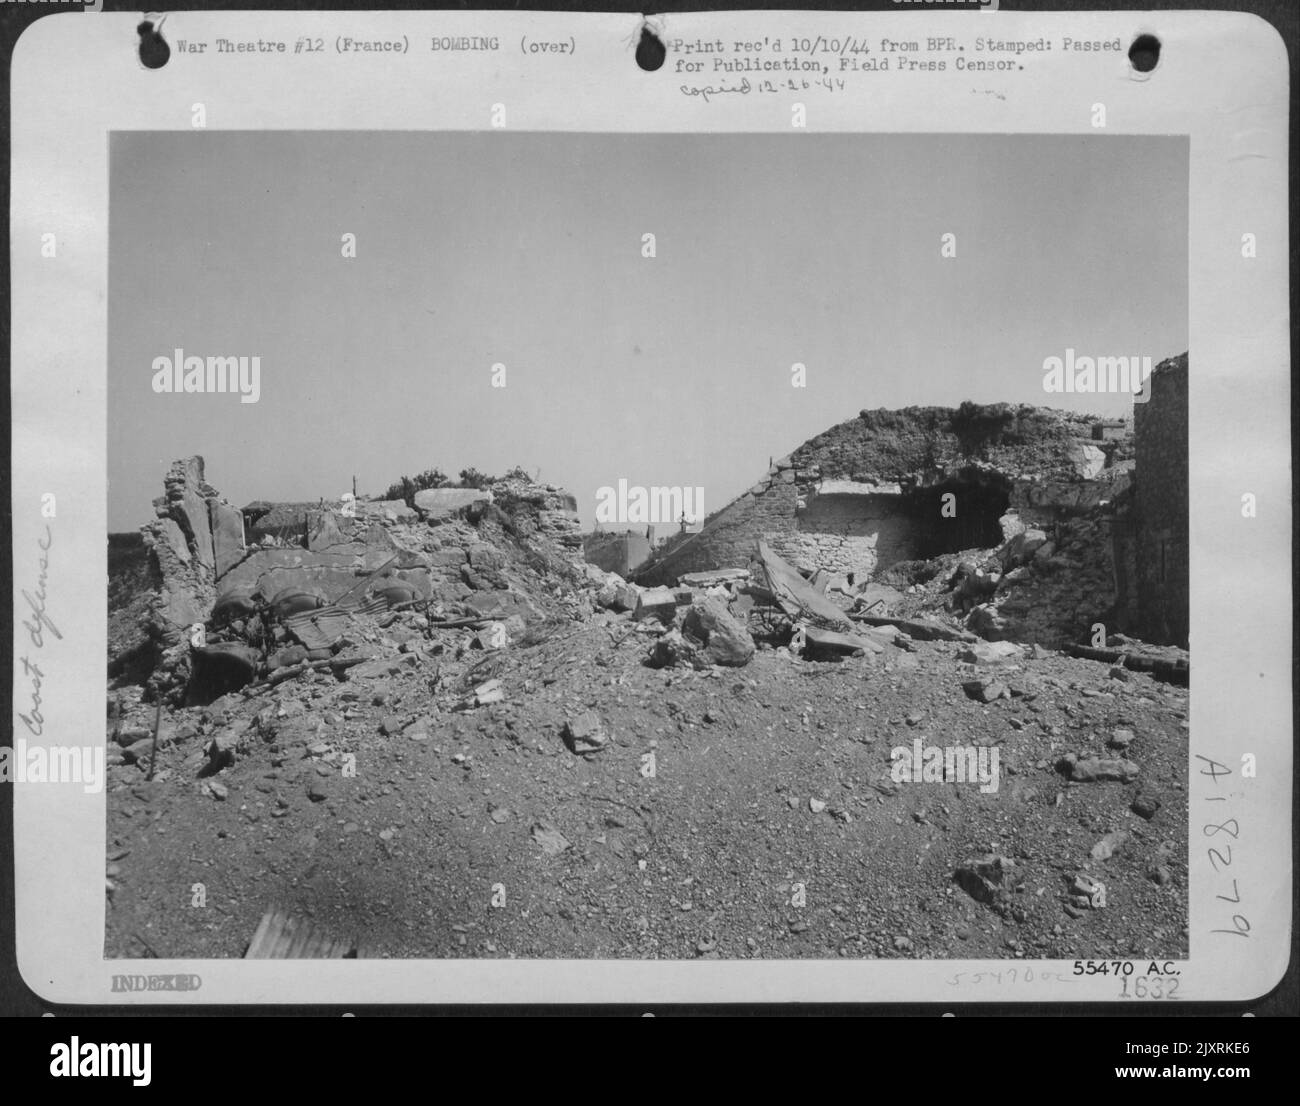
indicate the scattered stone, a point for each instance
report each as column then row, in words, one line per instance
column 286, row 657
column 1161, row 876
column 1108, row 845
column 1088, row 893
column 717, row 576
column 222, row 749
column 489, row 692
column 816, row 805
column 990, row 653
column 915, row 718
column 552, row 841
column 1146, row 805
column 1120, row 739
column 982, row 879
column 1096, row 770
column 988, row 622
column 725, row 640
column 986, row 690
column 319, row 787
column 819, row 642
column 584, row 734
column 1022, row 547
column 1119, row 672
column 672, row 650
column 217, row 790
column 441, row 504
column 658, row 603
column 492, row 636
column 618, row 595
column 390, row 725
column 377, row 667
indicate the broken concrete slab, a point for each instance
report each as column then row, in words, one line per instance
column 267, row 571
column 796, row 597
column 324, row 531
column 831, row 641
column 920, row 629
column 227, row 524
column 1088, row 460
column 658, row 603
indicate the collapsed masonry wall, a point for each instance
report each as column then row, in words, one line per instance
column 622, row 553
column 867, row 494
column 486, row 553
column 196, row 538
column 728, row 537
column 1161, row 506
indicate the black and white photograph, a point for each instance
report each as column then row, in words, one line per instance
column 549, row 509
column 538, row 546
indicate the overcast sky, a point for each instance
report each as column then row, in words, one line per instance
column 526, row 249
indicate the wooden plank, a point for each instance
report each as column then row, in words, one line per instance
column 280, row 936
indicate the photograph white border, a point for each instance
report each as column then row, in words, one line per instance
column 1222, row 79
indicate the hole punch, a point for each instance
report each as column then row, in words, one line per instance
column 650, row 50
column 154, row 51
column 1144, row 54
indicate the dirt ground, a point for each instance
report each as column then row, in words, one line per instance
column 732, row 813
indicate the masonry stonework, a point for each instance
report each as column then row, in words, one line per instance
column 1161, row 506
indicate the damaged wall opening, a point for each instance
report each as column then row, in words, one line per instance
column 865, row 528
column 979, row 504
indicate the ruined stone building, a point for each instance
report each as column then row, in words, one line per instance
column 870, row 492
column 1161, row 507
column 893, row 488
column 623, row 552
